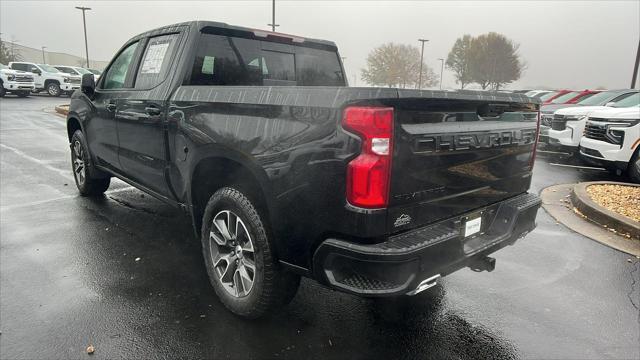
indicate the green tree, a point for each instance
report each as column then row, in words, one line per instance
column 494, row 61
column 458, row 60
column 396, row 65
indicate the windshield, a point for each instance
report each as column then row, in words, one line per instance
column 564, row 98
column 3, row 66
column 632, row 100
column 49, row 69
column 82, row 70
column 67, row 70
column 598, row 99
column 548, row 96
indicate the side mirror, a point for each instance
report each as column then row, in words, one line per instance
column 88, row 86
column 35, row 70
column 610, row 103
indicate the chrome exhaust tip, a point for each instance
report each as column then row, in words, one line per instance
column 424, row 285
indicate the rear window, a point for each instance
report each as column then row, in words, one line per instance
column 225, row 60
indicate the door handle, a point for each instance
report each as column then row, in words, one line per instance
column 153, row 110
column 111, row 107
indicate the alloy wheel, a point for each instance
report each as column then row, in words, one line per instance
column 53, row 90
column 79, row 170
column 232, row 253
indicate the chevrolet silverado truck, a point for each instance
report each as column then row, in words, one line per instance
column 49, row 79
column 287, row 172
column 15, row 82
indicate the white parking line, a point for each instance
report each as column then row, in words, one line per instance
column 64, row 173
column 66, row 197
column 552, row 152
column 580, row 167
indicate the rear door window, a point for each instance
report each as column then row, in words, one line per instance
column 156, row 61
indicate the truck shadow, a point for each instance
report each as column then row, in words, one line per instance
column 165, row 305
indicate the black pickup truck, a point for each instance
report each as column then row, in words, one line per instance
column 287, row 172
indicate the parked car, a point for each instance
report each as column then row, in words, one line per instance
column 286, row 171
column 612, row 140
column 548, row 98
column 48, row 78
column 15, row 82
column 567, row 124
column 538, row 93
column 567, row 100
column 95, row 72
column 74, row 70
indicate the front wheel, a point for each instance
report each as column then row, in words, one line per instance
column 53, row 89
column 86, row 182
column 3, row 92
column 239, row 257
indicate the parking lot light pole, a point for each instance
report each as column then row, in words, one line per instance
column 421, row 57
column 635, row 68
column 84, row 23
column 273, row 16
column 44, row 61
column 441, row 70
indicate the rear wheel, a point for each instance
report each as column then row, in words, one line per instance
column 239, row 257
column 87, row 183
column 53, row 89
column 633, row 169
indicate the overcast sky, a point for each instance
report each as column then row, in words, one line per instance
column 573, row 44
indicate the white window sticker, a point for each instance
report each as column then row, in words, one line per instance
column 154, row 57
column 472, row 226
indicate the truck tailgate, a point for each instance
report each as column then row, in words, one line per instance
column 455, row 155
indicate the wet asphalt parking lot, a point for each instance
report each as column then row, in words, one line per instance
column 125, row 274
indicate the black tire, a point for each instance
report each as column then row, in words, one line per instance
column 633, row 169
column 53, row 89
column 3, row 92
column 270, row 287
column 23, row 94
column 84, row 174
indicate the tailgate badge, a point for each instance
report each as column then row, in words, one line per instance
column 403, row 219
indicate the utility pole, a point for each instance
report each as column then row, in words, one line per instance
column 441, row 70
column 421, row 57
column 273, row 16
column 44, row 61
column 84, row 23
column 635, row 68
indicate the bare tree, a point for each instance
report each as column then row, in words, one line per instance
column 458, row 60
column 8, row 53
column 396, row 65
column 494, row 61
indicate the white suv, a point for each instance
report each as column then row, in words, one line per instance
column 567, row 125
column 16, row 82
column 49, row 78
column 612, row 140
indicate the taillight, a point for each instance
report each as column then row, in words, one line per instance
column 369, row 174
column 535, row 144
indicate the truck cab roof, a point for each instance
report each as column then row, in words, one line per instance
column 226, row 29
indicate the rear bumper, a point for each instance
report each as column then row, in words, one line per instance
column 410, row 261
